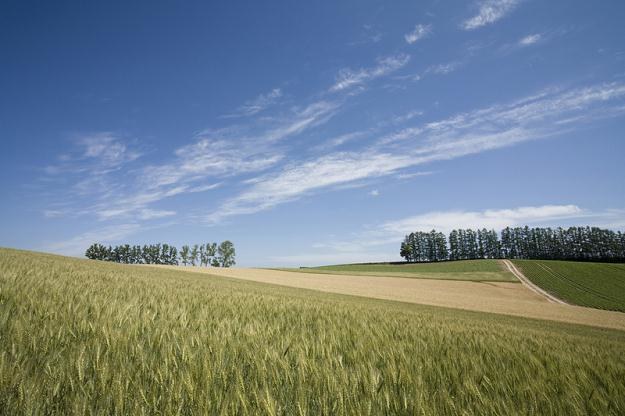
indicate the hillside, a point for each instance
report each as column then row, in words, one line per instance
column 87, row 337
column 474, row 270
column 597, row 285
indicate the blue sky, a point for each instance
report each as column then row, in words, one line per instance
column 307, row 132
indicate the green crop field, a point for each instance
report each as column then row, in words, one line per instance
column 86, row 337
column 598, row 285
column 476, row 270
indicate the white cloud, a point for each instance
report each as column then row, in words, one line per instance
column 150, row 214
column 414, row 175
column 135, row 205
column 341, row 140
column 298, row 179
column 108, row 149
column 299, row 120
column 530, row 39
column 231, row 152
column 94, row 155
column 77, row 245
column 374, row 192
column 418, row 33
column 489, row 11
column 348, row 78
column 407, row 116
column 438, row 69
column 445, row 221
column 208, row 157
column 260, row 103
column 490, row 128
column 443, row 69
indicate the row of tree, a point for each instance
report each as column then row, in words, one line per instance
column 209, row 254
column 574, row 243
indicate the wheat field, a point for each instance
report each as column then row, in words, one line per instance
column 84, row 337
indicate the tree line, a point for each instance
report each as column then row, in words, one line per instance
column 574, row 243
column 209, row 254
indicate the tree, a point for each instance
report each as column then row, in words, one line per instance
column 211, row 253
column 184, row 254
column 203, row 259
column 226, row 253
column 96, row 251
column 194, row 255
column 173, row 255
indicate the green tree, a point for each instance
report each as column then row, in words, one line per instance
column 211, row 253
column 194, row 254
column 226, row 254
column 184, row 254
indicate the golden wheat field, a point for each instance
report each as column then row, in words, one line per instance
column 82, row 337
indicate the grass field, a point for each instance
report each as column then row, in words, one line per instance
column 85, row 337
column 597, row 285
column 474, row 270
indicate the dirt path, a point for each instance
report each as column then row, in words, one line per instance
column 531, row 285
column 497, row 297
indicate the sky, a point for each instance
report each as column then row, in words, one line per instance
column 306, row 132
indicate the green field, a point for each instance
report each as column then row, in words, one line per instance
column 87, row 337
column 598, row 285
column 475, row 270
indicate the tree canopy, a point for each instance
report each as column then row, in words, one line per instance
column 574, row 243
column 209, row 254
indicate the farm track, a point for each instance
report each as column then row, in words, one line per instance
column 496, row 297
column 531, row 286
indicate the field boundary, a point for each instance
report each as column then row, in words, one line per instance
column 506, row 298
column 534, row 288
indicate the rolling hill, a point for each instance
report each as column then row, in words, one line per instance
column 87, row 337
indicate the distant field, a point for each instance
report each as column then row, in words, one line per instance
column 475, row 270
column 597, row 285
column 86, row 337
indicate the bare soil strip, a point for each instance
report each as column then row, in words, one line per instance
column 531, row 285
column 496, row 297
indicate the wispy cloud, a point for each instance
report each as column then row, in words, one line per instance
column 258, row 104
column 298, row 120
column 370, row 34
column 442, row 69
column 90, row 166
column 76, row 246
column 107, row 149
column 489, row 11
column 407, row 116
column 348, row 78
column 530, row 39
column 298, row 179
column 374, row 192
column 340, row 140
column 411, row 175
column 497, row 219
column 209, row 156
column 490, row 128
column 94, row 154
column 437, row 69
column 419, row 32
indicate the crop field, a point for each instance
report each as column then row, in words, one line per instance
column 597, row 285
column 88, row 337
column 474, row 270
